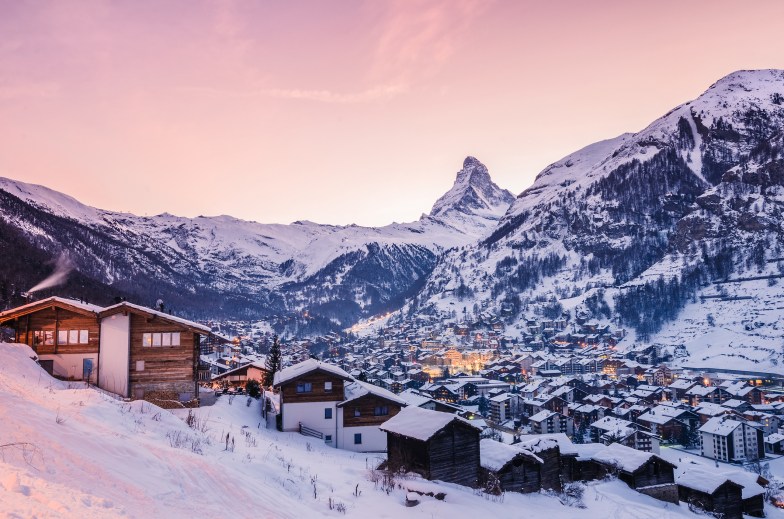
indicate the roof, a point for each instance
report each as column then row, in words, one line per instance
column 357, row 389
column 149, row 311
column 420, row 424
column 627, row 459
column 34, row 306
column 494, row 455
column 702, row 480
column 412, row 397
column 720, row 426
column 305, row 367
column 565, row 445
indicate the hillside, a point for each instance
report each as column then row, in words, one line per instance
column 658, row 231
column 76, row 452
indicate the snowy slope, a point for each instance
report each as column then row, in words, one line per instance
column 694, row 197
column 106, row 458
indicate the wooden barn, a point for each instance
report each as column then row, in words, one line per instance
column 439, row 446
column 643, row 471
column 523, row 467
column 63, row 332
column 711, row 491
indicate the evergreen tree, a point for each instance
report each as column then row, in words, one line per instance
column 273, row 361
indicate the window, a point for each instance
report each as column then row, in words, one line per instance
column 304, row 387
column 358, row 439
column 161, row 339
column 357, row 412
column 381, row 410
column 328, row 438
column 139, row 365
column 328, row 387
column 71, row 337
column 328, row 413
column 43, row 337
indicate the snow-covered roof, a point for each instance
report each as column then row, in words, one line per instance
column 156, row 313
column 720, row 426
column 774, row 438
column 54, row 299
column 625, row 458
column 538, row 443
column 420, row 424
column 544, row 414
column 493, row 455
column 701, row 480
column 357, row 389
column 304, row 367
column 412, row 397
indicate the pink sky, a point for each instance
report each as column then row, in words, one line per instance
column 345, row 111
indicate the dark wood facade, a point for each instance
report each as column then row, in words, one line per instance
column 368, row 410
column 726, row 499
column 521, row 474
column 452, row 454
column 169, row 372
column 655, row 471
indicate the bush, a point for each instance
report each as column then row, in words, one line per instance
column 253, row 388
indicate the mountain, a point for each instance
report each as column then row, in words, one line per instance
column 222, row 266
column 674, row 232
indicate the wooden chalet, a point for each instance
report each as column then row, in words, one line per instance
column 359, row 416
column 309, row 394
column 239, row 376
column 65, row 333
column 126, row 349
column 439, row 446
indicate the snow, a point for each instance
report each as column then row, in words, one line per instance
column 43, row 302
column 720, row 426
column 626, row 458
column 306, row 366
column 420, row 424
column 701, row 480
column 156, row 313
column 110, row 458
column 494, row 454
column 357, row 389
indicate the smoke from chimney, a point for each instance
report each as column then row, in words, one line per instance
column 62, row 268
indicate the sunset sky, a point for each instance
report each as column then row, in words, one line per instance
column 342, row 111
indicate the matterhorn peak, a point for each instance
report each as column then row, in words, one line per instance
column 474, row 194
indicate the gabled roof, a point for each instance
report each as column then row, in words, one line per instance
column 143, row 310
column 305, row 367
column 494, row 455
column 421, row 424
column 627, row 459
column 703, row 481
column 73, row 305
column 357, row 389
column 720, row 426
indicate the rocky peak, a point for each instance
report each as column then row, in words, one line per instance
column 474, row 194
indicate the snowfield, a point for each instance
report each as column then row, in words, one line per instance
column 72, row 451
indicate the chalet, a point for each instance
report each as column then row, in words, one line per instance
column 679, row 387
column 711, row 491
column 126, row 349
column 309, row 394
column 645, row 472
column 712, row 394
column 358, row 416
column 438, row 446
column 774, row 444
column 668, row 422
column 239, row 376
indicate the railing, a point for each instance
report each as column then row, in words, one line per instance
column 307, row 431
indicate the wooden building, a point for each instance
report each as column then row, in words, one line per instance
column 439, row 446
column 359, row 416
column 711, row 491
column 126, row 349
column 642, row 471
column 516, row 470
column 309, row 394
column 63, row 332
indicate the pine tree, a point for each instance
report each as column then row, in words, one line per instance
column 273, row 362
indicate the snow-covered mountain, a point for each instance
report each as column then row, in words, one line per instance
column 341, row 272
column 643, row 228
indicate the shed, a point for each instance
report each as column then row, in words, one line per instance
column 517, row 470
column 710, row 491
column 439, row 446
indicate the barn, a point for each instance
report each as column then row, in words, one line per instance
column 439, row 446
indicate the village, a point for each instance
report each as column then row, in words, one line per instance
column 463, row 404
